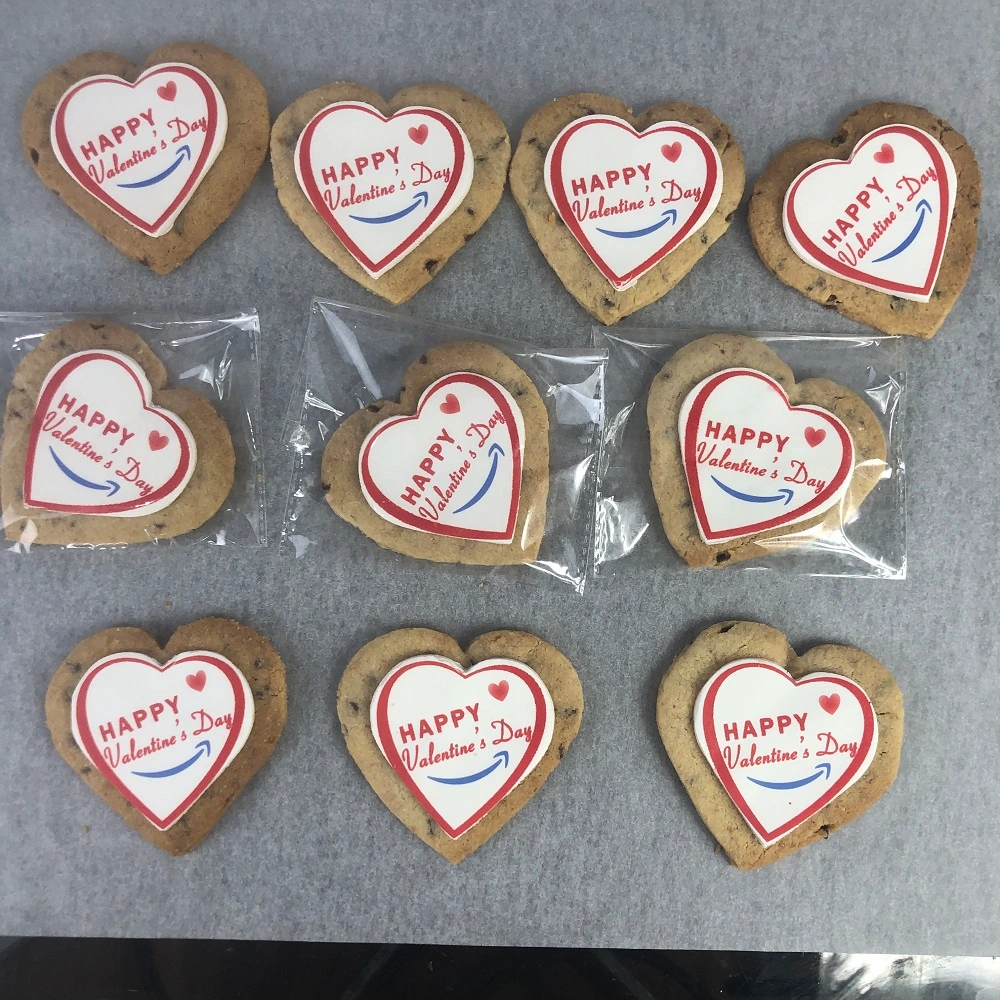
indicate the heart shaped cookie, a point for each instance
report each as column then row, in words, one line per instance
column 778, row 750
column 168, row 737
column 456, row 742
column 154, row 157
column 389, row 190
column 457, row 470
column 879, row 224
column 746, row 462
column 96, row 450
column 623, row 205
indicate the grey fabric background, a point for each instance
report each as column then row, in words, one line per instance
column 611, row 851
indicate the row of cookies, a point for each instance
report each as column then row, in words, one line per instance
column 744, row 461
column 879, row 224
column 775, row 750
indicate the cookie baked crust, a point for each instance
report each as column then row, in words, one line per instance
column 342, row 487
column 207, row 490
column 888, row 313
column 221, row 187
column 490, row 146
column 374, row 660
column 253, row 656
column 728, row 641
column 560, row 247
column 671, row 386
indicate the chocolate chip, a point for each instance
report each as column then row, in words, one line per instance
column 722, row 557
column 431, row 265
column 34, row 156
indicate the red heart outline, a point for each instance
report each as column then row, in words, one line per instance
column 92, row 751
column 49, row 388
column 725, row 776
column 437, row 528
column 79, row 172
column 563, row 207
column 396, row 762
column 689, row 455
column 838, row 267
column 304, row 159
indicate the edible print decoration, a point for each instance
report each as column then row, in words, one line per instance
column 454, row 467
column 98, row 446
column 461, row 740
column 162, row 733
column 783, row 748
column 879, row 219
column 631, row 198
column 383, row 185
column 754, row 462
column 141, row 148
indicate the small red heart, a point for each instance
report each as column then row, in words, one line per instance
column 671, row 151
column 418, row 133
column 450, row 404
column 829, row 703
column 168, row 91
column 885, row 154
column 197, row 681
column 157, row 441
column 815, row 436
column 499, row 691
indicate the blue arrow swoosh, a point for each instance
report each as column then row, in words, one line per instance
column 396, row 215
column 923, row 203
column 180, row 767
column 783, row 785
column 783, row 494
column 475, row 777
column 635, row 233
column 496, row 451
column 110, row 485
column 185, row 149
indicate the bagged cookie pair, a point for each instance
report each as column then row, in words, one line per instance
column 443, row 445
column 780, row 451
column 112, row 438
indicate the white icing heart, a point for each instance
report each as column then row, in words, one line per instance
column 879, row 219
column 454, row 467
column 98, row 446
column 383, row 185
column 461, row 740
column 753, row 462
column 141, row 148
column 162, row 733
column 631, row 198
column 783, row 748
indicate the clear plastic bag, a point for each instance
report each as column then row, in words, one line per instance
column 354, row 357
column 872, row 542
column 214, row 356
